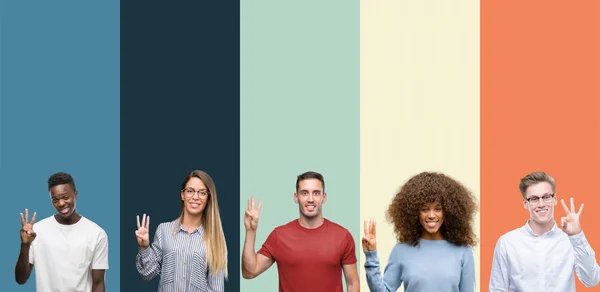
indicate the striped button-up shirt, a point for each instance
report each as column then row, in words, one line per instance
column 179, row 257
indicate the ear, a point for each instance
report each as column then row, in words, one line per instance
column 182, row 196
column 525, row 204
column 75, row 194
column 296, row 198
column 324, row 198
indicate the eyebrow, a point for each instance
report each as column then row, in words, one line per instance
column 195, row 189
column 542, row 195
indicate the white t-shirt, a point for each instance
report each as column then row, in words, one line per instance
column 64, row 256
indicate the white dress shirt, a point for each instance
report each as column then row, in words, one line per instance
column 527, row 262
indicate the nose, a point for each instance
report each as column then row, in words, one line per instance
column 311, row 198
column 431, row 214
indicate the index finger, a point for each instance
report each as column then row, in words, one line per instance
column 148, row 222
column 572, row 206
column 22, row 219
column 562, row 201
column 252, row 202
column 26, row 216
column 259, row 204
column 365, row 228
column 138, row 221
column 33, row 218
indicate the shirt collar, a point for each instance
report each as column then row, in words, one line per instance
column 181, row 229
column 530, row 231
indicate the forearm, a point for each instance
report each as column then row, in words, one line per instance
column 98, row 286
column 353, row 286
column 147, row 264
column 586, row 266
column 23, row 268
column 372, row 268
column 249, row 260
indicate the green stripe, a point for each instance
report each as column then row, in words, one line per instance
column 299, row 98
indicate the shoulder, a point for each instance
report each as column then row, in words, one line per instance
column 513, row 235
column 44, row 223
column 337, row 228
column 168, row 227
column 292, row 225
column 92, row 227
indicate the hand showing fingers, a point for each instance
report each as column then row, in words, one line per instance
column 27, row 233
column 251, row 215
column 570, row 222
column 142, row 234
column 369, row 242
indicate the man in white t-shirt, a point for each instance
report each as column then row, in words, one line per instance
column 69, row 252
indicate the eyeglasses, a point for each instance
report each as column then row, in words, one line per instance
column 190, row 193
column 536, row 200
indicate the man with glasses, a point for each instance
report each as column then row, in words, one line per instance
column 540, row 256
column 311, row 252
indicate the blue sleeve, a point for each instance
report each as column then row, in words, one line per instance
column 467, row 275
column 392, row 276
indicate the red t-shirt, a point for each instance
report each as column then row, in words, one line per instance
column 310, row 259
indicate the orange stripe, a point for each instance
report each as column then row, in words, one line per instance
column 540, row 110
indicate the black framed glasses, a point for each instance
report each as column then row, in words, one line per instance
column 536, row 200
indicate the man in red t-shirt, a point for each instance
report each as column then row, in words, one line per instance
column 311, row 252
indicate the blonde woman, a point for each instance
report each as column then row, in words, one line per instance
column 189, row 252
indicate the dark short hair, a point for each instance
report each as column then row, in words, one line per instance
column 61, row 178
column 310, row 175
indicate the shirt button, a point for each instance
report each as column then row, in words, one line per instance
column 184, row 263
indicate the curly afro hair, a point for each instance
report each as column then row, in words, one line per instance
column 458, row 205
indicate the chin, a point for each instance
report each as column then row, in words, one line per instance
column 310, row 215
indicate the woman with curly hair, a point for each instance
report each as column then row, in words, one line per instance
column 433, row 221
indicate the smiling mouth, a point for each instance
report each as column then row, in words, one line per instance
column 194, row 205
column 431, row 223
column 311, row 207
column 542, row 211
column 65, row 211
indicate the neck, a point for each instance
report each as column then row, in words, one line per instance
column 540, row 228
column 191, row 222
column 432, row 236
column 74, row 218
column 311, row 223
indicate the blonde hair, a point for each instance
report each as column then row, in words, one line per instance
column 533, row 179
column 214, row 238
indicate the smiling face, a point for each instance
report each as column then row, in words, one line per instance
column 63, row 199
column 431, row 217
column 540, row 201
column 310, row 198
column 195, row 196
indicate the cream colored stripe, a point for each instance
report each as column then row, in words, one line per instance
column 419, row 102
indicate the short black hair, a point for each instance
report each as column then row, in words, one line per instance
column 309, row 175
column 61, row 178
